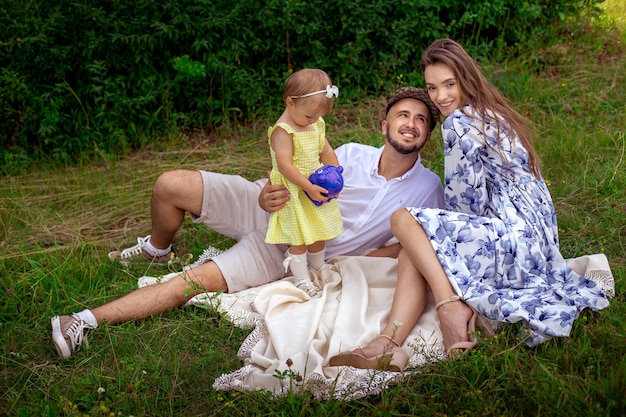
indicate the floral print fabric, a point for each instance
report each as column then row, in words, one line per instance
column 497, row 241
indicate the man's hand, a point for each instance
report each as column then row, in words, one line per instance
column 390, row 251
column 273, row 197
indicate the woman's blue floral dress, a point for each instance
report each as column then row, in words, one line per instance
column 498, row 240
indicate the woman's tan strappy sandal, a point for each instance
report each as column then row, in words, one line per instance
column 465, row 346
column 393, row 359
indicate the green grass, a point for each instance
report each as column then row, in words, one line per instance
column 56, row 227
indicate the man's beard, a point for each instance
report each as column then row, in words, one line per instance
column 404, row 149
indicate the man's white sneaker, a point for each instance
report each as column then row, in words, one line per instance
column 68, row 333
column 138, row 252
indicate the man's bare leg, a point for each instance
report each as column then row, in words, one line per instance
column 159, row 298
column 174, row 193
column 68, row 331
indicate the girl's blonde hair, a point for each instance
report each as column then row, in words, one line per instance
column 480, row 93
column 306, row 81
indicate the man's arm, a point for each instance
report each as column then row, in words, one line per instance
column 273, row 197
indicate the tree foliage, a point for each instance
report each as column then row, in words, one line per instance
column 80, row 77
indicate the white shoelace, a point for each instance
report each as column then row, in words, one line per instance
column 76, row 333
column 134, row 250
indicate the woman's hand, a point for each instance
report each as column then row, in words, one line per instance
column 273, row 197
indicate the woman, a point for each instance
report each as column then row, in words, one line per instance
column 495, row 250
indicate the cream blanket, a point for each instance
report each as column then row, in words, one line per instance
column 293, row 336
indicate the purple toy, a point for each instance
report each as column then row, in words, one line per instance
column 328, row 177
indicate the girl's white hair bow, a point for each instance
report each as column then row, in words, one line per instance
column 331, row 90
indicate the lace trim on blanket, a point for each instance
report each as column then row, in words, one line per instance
column 239, row 317
column 353, row 383
column 605, row 281
column 208, row 254
column 256, row 335
column 358, row 383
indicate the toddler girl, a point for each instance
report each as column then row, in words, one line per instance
column 299, row 147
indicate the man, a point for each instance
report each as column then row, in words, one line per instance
column 377, row 181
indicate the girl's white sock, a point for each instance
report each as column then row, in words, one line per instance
column 316, row 259
column 298, row 266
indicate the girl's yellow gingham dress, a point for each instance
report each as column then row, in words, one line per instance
column 301, row 222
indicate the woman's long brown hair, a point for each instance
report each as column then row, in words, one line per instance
column 480, row 93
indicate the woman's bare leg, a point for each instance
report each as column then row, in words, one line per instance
column 409, row 301
column 454, row 316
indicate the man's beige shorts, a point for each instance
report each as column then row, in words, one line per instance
column 230, row 207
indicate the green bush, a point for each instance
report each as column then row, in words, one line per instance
column 84, row 78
